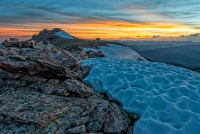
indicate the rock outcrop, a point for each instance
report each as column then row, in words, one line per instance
column 80, row 54
column 44, row 60
column 42, row 92
column 34, row 112
column 13, row 42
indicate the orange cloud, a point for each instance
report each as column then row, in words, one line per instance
column 104, row 29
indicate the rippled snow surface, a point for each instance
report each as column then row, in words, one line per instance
column 166, row 97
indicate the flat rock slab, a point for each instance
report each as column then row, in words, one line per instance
column 33, row 107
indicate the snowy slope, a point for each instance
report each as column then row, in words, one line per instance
column 64, row 35
column 166, row 97
column 117, row 51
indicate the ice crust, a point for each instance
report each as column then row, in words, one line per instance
column 166, row 97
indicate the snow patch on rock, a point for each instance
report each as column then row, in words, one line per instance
column 64, row 35
column 166, row 97
column 91, row 49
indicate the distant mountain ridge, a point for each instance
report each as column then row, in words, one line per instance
column 184, row 54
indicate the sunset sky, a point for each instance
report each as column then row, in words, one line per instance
column 107, row 19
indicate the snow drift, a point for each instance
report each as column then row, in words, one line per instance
column 166, row 97
column 117, row 51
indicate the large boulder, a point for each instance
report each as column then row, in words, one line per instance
column 7, row 43
column 25, row 44
column 77, row 87
column 115, row 121
column 77, row 51
column 64, row 88
column 80, row 71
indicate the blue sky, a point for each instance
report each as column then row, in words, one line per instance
column 36, row 14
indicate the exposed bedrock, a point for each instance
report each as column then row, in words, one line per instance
column 44, row 60
column 42, row 92
column 35, row 112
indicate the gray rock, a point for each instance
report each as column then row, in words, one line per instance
column 54, row 82
column 40, row 113
column 45, row 60
column 35, row 86
column 41, row 92
column 33, row 107
column 25, row 44
column 78, row 87
column 2, row 119
column 4, row 74
column 61, row 90
column 12, row 51
column 93, row 133
column 18, row 128
column 12, row 85
column 47, row 88
column 92, row 54
column 7, row 43
column 81, row 71
column 117, row 120
column 77, row 51
column 3, row 52
column 98, row 117
column 77, row 130
column 18, row 57
column 130, row 130
column 81, row 121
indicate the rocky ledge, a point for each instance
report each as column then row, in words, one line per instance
column 42, row 92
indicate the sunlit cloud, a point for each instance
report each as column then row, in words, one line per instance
column 108, row 20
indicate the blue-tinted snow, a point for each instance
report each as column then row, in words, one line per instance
column 166, row 97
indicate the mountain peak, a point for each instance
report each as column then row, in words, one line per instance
column 53, row 35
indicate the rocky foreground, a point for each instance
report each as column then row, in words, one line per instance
column 42, row 92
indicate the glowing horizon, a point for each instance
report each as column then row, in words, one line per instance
column 123, row 19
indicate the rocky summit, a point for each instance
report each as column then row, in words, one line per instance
column 42, row 92
column 54, row 35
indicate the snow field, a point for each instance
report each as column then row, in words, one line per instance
column 166, row 97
